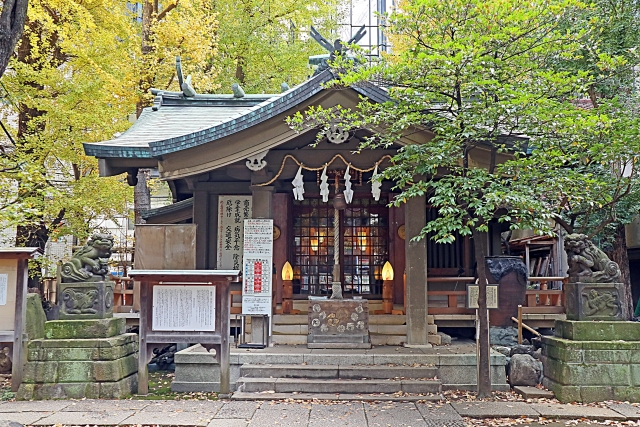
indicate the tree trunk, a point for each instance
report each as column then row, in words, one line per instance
column 12, row 18
column 141, row 196
column 619, row 255
column 484, row 374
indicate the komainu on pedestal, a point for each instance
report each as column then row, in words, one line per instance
column 593, row 354
column 85, row 354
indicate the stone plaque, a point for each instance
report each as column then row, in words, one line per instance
column 184, row 308
column 594, row 301
column 338, row 324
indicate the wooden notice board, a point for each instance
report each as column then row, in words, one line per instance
column 191, row 306
column 14, row 273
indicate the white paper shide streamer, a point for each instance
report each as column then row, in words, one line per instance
column 376, row 184
column 348, row 192
column 298, row 185
column 324, row 185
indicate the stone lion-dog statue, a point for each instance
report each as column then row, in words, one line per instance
column 89, row 263
column 587, row 262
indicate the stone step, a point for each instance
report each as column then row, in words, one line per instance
column 378, row 339
column 337, row 371
column 314, row 385
column 383, row 397
column 288, row 339
column 290, row 319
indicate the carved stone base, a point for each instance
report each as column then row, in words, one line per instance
column 85, row 300
column 594, row 301
column 338, row 324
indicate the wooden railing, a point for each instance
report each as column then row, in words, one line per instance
column 539, row 301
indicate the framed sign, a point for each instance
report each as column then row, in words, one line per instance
column 4, row 281
column 256, row 305
column 257, row 266
column 473, row 291
column 184, row 308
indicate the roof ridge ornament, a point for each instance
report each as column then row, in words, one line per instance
column 238, row 92
column 185, row 84
column 337, row 48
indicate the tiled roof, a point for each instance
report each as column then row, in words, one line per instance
column 177, row 123
column 163, row 210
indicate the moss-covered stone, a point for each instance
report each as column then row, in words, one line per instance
column 39, row 372
column 98, row 351
column 590, row 394
column 115, row 370
column 35, row 318
column 563, row 353
column 562, row 392
column 606, row 356
column 597, row 330
column 91, row 390
column 628, row 394
column 114, row 341
column 79, row 329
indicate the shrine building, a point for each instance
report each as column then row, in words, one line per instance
column 230, row 157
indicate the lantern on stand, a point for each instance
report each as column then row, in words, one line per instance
column 387, row 288
column 287, row 288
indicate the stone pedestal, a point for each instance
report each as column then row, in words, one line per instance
column 593, row 361
column 338, row 324
column 81, row 359
column 85, row 300
column 594, row 301
column 198, row 371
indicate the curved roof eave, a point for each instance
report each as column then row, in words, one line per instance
column 242, row 121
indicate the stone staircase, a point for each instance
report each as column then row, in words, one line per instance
column 344, row 380
column 382, row 372
column 384, row 329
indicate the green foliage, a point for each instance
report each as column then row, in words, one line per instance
column 509, row 142
column 65, row 88
column 266, row 43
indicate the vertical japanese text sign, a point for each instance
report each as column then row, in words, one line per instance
column 257, row 266
column 232, row 211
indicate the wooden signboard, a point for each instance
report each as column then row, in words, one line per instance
column 13, row 303
column 473, row 291
column 184, row 306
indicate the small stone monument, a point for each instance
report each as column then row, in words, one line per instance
column 591, row 357
column 87, row 353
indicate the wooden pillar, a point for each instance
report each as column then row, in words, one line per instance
column 397, row 251
column 201, row 218
column 22, row 277
column 222, row 291
column 281, row 219
column 416, row 273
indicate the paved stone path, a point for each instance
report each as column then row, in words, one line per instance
column 295, row 414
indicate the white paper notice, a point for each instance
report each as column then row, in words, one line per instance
column 4, row 281
column 256, row 305
column 258, row 238
column 184, row 308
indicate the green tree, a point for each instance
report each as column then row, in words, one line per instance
column 68, row 85
column 266, row 43
column 609, row 51
column 482, row 75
